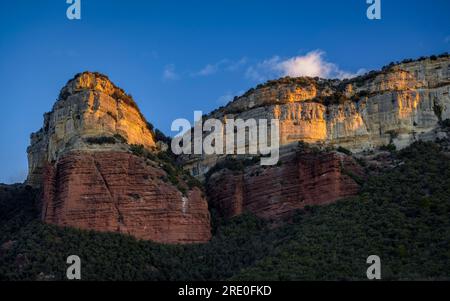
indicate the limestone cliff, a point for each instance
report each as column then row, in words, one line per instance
column 93, row 178
column 101, row 169
column 90, row 107
column 399, row 104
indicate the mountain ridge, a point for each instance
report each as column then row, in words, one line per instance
column 101, row 167
column 398, row 105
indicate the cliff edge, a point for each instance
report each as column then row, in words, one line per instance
column 100, row 168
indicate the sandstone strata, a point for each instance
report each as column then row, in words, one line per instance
column 93, row 179
column 275, row 193
column 120, row 192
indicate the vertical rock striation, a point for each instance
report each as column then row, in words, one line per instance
column 120, row 192
column 92, row 179
column 399, row 105
column 275, row 193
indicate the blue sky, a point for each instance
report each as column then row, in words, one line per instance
column 175, row 57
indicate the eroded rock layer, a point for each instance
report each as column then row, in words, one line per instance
column 97, row 162
column 120, row 192
column 275, row 193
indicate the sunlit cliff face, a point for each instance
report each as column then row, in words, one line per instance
column 396, row 105
column 358, row 113
column 94, row 163
column 89, row 106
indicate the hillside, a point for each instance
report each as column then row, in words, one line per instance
column 401, row 214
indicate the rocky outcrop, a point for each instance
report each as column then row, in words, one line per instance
column 303, row 178
column 120, row 192
column 100, row 168
column 90, row 107
column 93, row 179
column 399, row 105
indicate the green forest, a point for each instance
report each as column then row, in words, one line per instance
column 401, row 214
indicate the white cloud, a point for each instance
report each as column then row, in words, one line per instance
column 208, row 70
column 169, row 73
column 222, row 65
column 312, row 64
column 264, row 70
column 235, row 65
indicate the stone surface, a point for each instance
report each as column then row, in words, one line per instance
column 275, row 193
column 104, row 187
column 89, row 106
column 91, row 179
column 398, row 105
column 120, row 192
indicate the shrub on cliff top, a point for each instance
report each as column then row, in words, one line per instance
column 174, row 173
column 344, row 150
column 117, row 138
column 120, row 138
column 390, row 147
column 157, row 134
column 233, row 164
column 101, row 140
column 446, row 124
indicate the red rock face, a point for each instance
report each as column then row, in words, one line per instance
column 120, row 192
column 275, row 193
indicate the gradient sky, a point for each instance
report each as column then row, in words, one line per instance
column 175, row 57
